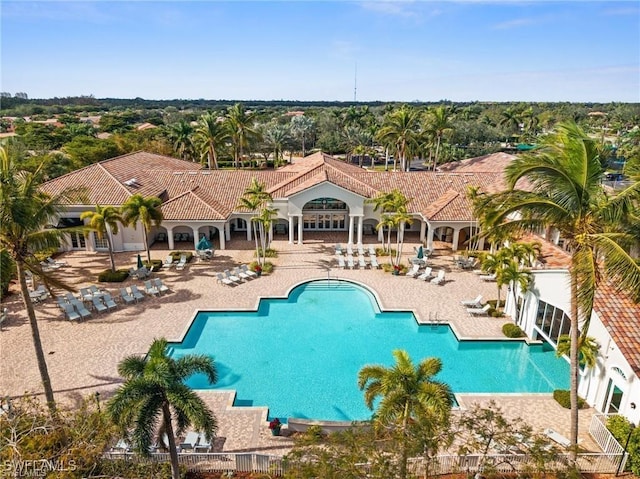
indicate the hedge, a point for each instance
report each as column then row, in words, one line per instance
column 108, row 276
column 563, row 397
column 623, row 431
column 511, row 330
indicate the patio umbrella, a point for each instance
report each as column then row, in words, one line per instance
column 140, row 265
column 203, row 243
column 420, row 254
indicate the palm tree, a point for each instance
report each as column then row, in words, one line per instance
column 276, row 137
column 438, row 123
column 210, row 135
column 153, row 387
column 181, row 135
column 257, row 199
column 240, row 127
column 565, row 174
column 407, row 393
column 393, row 206
column 25, row 214
column 513, row 275
column 510, row 120
column 588, row 349
column 144, row 210
column 401, row 131
column 301, row 125
column 104, row 221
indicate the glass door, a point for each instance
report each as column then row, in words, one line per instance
column 613, row 399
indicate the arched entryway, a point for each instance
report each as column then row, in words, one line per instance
column 325, row 214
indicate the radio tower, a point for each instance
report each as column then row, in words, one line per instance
column 355, row 84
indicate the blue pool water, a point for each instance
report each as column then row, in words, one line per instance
column 301, row 356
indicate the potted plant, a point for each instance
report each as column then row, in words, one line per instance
column 258, row 270
column 275, row 425
column 396, row 270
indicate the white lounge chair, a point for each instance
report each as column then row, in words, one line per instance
column 85, row 294
column 426, row 274
column 557, row 437
column 136, row 293
column 203, row 445
column 82, row 311
column 126, row 297
column 160, row 286
column 237, row 271
column 341, row 263
column 479, row 311
column 360, row 250
column 190, row 441
column 350, row 262
column 150, row 289
column 488, row 277
column 168, row 262
column 224, row 280
column 232, row 277
column 71, row 313
column 245, row 269
column 338, row 248
column 98, row 305
column 109, row 302
column 361, row 262
column 473, row 303
column 182, row 263
column 413, row 271
column 439, row 279
column 349, row 250
column 55, row 264
column 372, row 250
column 374, row 261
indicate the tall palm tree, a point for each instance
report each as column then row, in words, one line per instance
column 181, row 135
column 393, row 206
column 400, row 130
column 566, row 192
column 510, row 120
column 138, row 209
column 407, row 393
column 240, row 127
column 104, row 221
column 588, row 349
column 153, row 387
column 25, row 214
column 276, row 137
column 210, row 135
column 439, row 123
column 256, row 198
column 513, row 274
column 301, row 126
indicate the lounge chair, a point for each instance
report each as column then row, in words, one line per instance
column 150, row 289
column 374, row 261
column 246, row 270
column 160, row 285
column 338, row 248
column 473, row 303
column 203, row 445
column 168, row 262
column 439, row 279
column 237, row 271
column 182, row 263
column 126, row 297
column 361, row 262
column 349, row 250
column 98, row 304
column 69, row 297
column 95, row 290
column 136, row 293
column 232, row 277
column 350, row 261
column 426, row 274
column 70, row 312
column 85, row 294
column 557, row 437
column 484, row 311
column 61, row 302
column 82, row 311
column 50, row 266
column 55, row 264
column 414, row 270
column 360, row 250
column 190, row 441
column 109, row 302
column 488, row 277
column 3, row 316
column 224, row 280
column 44, row 293
column 341, row 263
column 372, row 250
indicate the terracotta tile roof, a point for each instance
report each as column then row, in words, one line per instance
column 493, row 163
column 551, row 256
column 106, row 182
column 621, row 316
column 195, row 205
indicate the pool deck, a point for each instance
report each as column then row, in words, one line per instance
column 82, row 357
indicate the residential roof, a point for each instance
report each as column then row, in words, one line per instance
column 620, row 315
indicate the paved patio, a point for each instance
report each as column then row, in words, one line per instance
column 82, row 356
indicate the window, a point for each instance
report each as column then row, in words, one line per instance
column 77, row 240
column 100, row 243
column 552, row 322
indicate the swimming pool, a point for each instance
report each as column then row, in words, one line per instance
column 300, row 356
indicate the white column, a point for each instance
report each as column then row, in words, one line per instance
column 360, row 222
column 227, row 231
column 196, row 239
column 221, row 232
column 423, row 230
column 170, row 236
column 300, row 229
column 430, row 237
column 454, row 241
column 249, row 232
column 381, row 235
column 350, row 242
column 291, row 232
column 270, row 233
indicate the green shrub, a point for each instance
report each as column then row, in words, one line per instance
column 175, row 256
column 108, row 276
column 267, row 267
column 620, row 427
column 511, row 330
column 494, row 303
column 156, row 263
column 563, row 397
column 270, row 253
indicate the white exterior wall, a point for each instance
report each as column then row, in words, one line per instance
column 552, row 287
column 326, row 190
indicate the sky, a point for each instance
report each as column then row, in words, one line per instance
column 471, row 50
